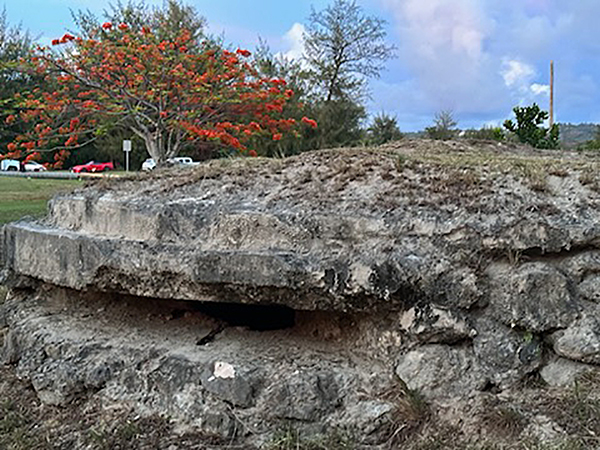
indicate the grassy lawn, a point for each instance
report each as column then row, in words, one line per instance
column 27, row 197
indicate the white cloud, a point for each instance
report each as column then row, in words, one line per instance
column 443, row 43
column 437, row 26
column 517, row 73
column 540, row 89
column 519, row 77
column 294, row 41
column 520, row 80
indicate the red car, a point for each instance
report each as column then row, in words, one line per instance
column 93, row 167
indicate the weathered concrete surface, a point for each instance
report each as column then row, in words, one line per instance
column 454, row 271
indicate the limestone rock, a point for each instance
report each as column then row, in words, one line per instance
column 581, row 265
column 156, row 366
column 460, row 288
column 441, row 371
column 563, row 372
column 237, row 385
column 306, row 397
column 57, row 382
column 429, row 324
column 341, row 230
column 589, row 288
column 532, row 296
column 371, row 418
column 506, row 355
column 545, row 429
column 581, row 341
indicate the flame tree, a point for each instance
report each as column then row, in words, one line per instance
column 167, row 91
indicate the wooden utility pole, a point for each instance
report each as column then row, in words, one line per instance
column 551, row 93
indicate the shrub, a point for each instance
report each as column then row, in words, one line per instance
column 444, row 127
column 529, row 129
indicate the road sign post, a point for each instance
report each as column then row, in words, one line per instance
column 127, row 150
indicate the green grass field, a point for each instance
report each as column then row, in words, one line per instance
column 21, row 197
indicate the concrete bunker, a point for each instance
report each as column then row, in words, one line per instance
column 326, row 304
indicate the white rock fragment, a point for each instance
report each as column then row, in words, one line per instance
column 224, row 370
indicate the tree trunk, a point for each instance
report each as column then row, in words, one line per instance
column 161, row 146
column 155, row 150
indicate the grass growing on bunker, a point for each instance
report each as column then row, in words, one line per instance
column 20, row 197
column 290, row 439
column 577, row 411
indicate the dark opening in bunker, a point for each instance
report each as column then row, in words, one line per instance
column 254, row 317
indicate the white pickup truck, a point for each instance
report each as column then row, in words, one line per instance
column 186, row 161
column 10, row 164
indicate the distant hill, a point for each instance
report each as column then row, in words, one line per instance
column 572, row 135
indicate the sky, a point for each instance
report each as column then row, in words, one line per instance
column 476, row 58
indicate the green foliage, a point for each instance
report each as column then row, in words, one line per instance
column 486, row 134
column 298, row 78
column 590, row 145
column 339, row 120
column 298, row 106
column 444, row 126
column 169, row 20
column 15, row 43
column 529, row 127
column 344, row 47
column 339, row 124
column 384, row 128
